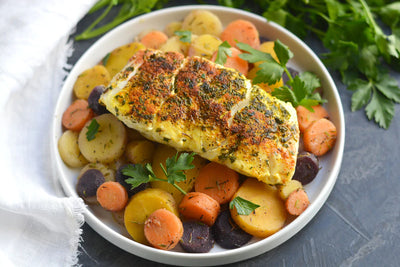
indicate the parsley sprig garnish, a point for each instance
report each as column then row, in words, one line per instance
column 299, row 90
column 243, row 206
column 173, row 170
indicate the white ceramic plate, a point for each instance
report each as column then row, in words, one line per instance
column 318, row 190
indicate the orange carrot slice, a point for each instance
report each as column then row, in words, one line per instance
column 320, row 137
column 154, row 39
column 306, row 117
column 163, row 229
column 217, row 181
column 297, row 202
column 112, row 196
column 199, row 206
column 76, row 115
column 241, row 31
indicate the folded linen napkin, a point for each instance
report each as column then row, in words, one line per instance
column 39, row 226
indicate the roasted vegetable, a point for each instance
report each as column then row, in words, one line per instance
column 89, row 79
column 141, row 205
column 197, row 237
column 107, row 140
column 88, row 184
column 227, row 233
column 267, row 219
column 307, row 168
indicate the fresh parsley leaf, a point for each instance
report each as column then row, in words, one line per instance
column 185, row 36
column 311, row 81
column 389, row 87
column 92, row 130
column 268, row 72
column 286, row 94
column 362, row 93
column 243, row 206
column 299, row 89
column 282, row 52
column 390, row 14
column 175, row 166
column 223, row 52
column 381, row 109
column 254, row 55
column 139, row 174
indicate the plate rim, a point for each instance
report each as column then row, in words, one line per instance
column 221, row 257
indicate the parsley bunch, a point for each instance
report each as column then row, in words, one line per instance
column 362, row 38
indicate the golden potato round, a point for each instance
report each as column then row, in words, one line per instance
column 172, row 27
column 267, row 219
column 140, row 151
column 108, row 143
column 90, row 78
column 119, row 57
column 174, row 44
column 69, row 149
column 204, row 46
column 202, row 22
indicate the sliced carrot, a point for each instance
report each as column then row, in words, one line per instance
column 112, row 196
column 76, row 115
column 241, row 31
column 305, row 117
column 199, row 206
column 297, row 202
column 320, row 137
column 217, row 181
column 234, row 61
column 154, row 39
column 163, row 229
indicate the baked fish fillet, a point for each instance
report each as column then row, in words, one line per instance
column 193, row 104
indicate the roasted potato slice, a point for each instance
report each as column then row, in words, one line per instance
column 265, row 220
column 118, row 58
column 89, row 79
column 109, row 140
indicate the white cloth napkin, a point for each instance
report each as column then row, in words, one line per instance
column 39, row 226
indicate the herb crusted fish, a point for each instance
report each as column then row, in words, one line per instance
column 193, row 104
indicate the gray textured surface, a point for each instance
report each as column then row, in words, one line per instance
column 359, row 225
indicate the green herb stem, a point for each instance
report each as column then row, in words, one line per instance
column 166, row 180
column 88, row 33
column 288, row 74
column 370, row 18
